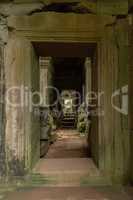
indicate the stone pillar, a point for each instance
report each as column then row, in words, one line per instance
column 88, row 75
column 45, row 79
column 16, row 51
column 22, row 132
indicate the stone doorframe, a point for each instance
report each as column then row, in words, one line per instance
column 57, row 27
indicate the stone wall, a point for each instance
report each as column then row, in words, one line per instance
column 114, row 82
column 2, row 113
column 3, row 40
column 122, row 155
column 131, row 90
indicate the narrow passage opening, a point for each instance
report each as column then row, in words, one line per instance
column 65, row 118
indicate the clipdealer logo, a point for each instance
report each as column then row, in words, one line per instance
column 24, row 97
column 120, row 97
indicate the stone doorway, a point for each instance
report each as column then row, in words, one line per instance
column 71, row 73
column 52, row 70
column 26, row 40
column 87, row 52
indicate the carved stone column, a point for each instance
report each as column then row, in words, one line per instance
column 45, row 79
column 22, row 130
column 88, row 76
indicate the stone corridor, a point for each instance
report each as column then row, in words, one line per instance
column 67, row 162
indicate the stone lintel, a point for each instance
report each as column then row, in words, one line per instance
column 51, row 25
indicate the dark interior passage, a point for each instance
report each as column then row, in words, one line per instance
column 68, row 77
column 65, row 49
column 69, row 73
column 69, row 81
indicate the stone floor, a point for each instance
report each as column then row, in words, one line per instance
column 68, row 145
column 70, row 193
column 68, row 163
